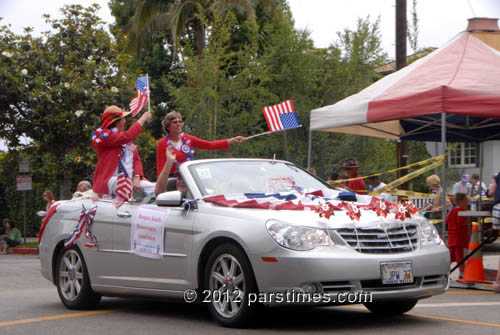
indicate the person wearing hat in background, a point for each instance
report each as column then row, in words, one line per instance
column 184, row 144
column 350, row 165
column 113, row 143
column 463, row 186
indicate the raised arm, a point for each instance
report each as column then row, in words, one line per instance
column 161, row 183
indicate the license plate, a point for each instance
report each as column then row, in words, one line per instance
column 396, row 273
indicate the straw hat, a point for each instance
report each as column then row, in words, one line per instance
column 111, row 114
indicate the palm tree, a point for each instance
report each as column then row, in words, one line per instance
column 178, row 16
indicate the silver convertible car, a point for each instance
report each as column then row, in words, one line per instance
column 246, row 233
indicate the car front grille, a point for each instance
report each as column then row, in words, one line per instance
column 379, row 240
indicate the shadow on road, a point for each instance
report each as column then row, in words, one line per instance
column 287, row 318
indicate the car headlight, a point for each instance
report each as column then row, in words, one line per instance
column 297, row 237
column 429, row 234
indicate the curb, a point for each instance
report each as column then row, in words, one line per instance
column 24, row 251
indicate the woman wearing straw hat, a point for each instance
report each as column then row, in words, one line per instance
column 113, row 143
column 184, row 144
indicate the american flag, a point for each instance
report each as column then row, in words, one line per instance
column 281, row 116
column 141, row 86
column 123, row 183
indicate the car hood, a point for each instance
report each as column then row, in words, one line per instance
column 310, row 218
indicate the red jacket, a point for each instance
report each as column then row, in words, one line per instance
column 458, row 229
column 181, row 156
column 357, row 185
column 107, row 157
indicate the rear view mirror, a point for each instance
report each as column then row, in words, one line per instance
column 41, row 213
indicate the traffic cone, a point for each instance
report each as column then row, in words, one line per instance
column 474, row 270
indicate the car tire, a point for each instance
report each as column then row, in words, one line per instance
column 72, row 281
column 228, row 281
column 391, row 307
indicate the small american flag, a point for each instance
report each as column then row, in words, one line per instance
column 141, row 86
column 281, row 116
column 123, row 183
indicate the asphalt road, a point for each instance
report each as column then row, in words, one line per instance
column 30, row 305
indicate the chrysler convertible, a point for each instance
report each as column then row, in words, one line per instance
column 246, row 233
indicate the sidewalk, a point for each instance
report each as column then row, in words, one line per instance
column 24, row 251
column 491, row 257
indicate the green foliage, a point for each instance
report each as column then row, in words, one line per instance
column 233, row 58
column 55, row 87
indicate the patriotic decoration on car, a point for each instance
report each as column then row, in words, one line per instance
column 281, row 116
column 84, row 225
column 314, row 201
column 123, row 185
column 142, row 88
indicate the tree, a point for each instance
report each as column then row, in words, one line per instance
column 180, row 17
column 223, row 91
column 54, row 88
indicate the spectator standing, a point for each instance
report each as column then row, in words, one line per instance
column 458, row 231
column 350, row 166
column 11, row 238
column 463, row 185
column 434, row 183
column 478, row 187
column 48, row 196
column 375, row 183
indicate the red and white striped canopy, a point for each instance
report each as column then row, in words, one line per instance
column 461, row 78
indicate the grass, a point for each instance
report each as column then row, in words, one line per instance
column 29, row 245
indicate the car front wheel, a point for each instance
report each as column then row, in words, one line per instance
column 228, row 281
column 391, row 307
column 72, row 280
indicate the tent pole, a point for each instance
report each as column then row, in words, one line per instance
column 309, row 149
column 443, row 175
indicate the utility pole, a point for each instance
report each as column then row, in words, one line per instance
column 401, row 32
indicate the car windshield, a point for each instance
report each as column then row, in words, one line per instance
column 237, row 177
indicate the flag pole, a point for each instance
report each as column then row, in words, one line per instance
column 149, row 93
column 269, row 132
column 265, row 133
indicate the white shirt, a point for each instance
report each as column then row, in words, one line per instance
column 460, row 187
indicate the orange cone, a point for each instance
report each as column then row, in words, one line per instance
column 474, row 270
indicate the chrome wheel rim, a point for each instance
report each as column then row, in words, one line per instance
column 227, row 285
column 70, row 275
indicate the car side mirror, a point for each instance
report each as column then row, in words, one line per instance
column 41, row 213
column 171, row 199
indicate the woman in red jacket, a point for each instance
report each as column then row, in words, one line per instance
column 184, row 144
column 113, row 143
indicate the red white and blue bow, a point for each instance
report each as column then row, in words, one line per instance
column 84, row 226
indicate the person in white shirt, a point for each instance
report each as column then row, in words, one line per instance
column 478, row 187
column 376, row 184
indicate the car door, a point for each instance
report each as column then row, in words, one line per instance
column 171, row 271
column 98, row 259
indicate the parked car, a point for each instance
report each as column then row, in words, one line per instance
column 247, row 231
